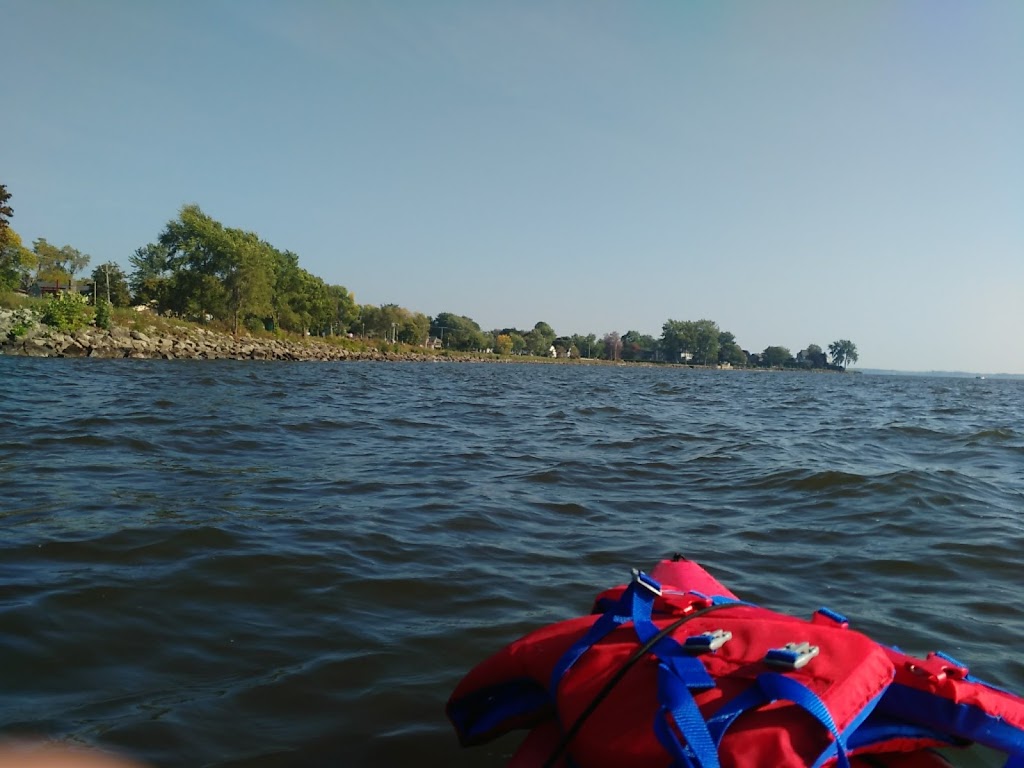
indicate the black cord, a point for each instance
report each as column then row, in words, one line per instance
column 570, row 734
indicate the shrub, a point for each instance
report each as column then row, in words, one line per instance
column 102, row 313
column 17, row 331
column 66, row 312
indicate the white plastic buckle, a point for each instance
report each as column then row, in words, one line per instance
column 708, row 642
column 791, row 655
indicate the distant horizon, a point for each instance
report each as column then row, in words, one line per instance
column 950, row 374
column 796, row 172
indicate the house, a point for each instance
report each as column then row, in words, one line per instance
column 48, row 288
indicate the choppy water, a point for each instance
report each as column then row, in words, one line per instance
column 227, row 564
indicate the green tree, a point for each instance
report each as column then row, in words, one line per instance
column 198, row 256
column 16, row 263
column 248, row 278
column 344, row 310
column 843, row 352
column 227, row 274
column 458, row 332
column 382, row 321
column 540, row 340
column 151, row 274
column 729, row 351
column 587, row 345
column 111, row 284
column 705, row 342
column 677, row 338
column 6, row 212
column 401, row 325
column 518, row 343
column 775, row 357
column 59, row 265
column 303, row 303
column 415, row 328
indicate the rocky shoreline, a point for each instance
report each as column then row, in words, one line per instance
column 23, row 335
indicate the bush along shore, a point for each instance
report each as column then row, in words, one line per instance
column 22, row 333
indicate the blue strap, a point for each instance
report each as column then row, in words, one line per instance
column 635, row 604
column 1015, row 761
column 679, row 673
column 677, row 702
column 772, row 686
column 605, row 624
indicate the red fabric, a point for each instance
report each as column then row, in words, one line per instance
column 850, row 671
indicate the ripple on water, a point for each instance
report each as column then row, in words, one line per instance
column 261, row 565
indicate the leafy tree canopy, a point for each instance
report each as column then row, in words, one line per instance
column 638, row 346
column 17, row 263
column 6, row 212
column 58, row 264
column 844, row 352
column 775, row 357
column 458, row 332
column 112, row 284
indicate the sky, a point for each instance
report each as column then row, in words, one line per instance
column 797, row 171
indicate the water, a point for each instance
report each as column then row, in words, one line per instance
column 227, row 564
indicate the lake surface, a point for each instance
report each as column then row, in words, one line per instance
column 228, row 564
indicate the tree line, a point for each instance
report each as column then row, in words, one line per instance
column 201, row 270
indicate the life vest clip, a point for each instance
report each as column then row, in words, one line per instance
column 708, row 642
column 791, row 655
column 938, row 666
column 645, row 581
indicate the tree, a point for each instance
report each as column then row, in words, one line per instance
column 705, row 342
column 248, row 277
column 151, row 275
column 585, row 345
column 638, row 346
column 458, row 332
column 503, row 344
column 697, row 339
column 345, row 311
column 843, row 352
column 518, row 343
column 59, row 265
column 729, row 351
column 6, row 212
column 111, row 284
column 199, row 256
column 676, row 339
column 16, row 263
column 775, row 357
column 540, row 340
column 612, row 346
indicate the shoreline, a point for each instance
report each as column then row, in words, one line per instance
column 22, row 335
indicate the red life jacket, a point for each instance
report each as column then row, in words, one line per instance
column 666, row 677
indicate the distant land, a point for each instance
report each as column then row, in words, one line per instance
column 944, row 374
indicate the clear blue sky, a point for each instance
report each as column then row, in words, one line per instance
column 796, row 171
